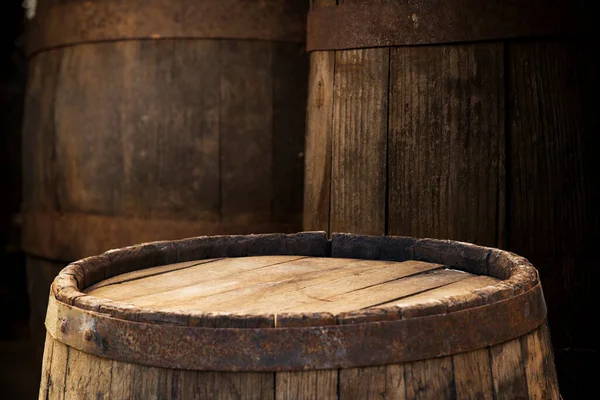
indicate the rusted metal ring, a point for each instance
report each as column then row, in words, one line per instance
column 72, row 236
column 288, row 349
column 394, row 23
column 77, row 21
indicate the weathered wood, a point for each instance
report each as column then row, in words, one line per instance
column 274, row 284
column 308, row 385
column 541, row 377
column 46, row 367
column 359, row 141
column 192, row 300
column 508, row 371
column 430, row 379
column 472, row 375
column 446, row 142
column 225, row 149
column 144, row 273
column 214, row 145
column 490, row 142
column 463, row 286
column 58, row 371
column 87, row 376
column 319, row 136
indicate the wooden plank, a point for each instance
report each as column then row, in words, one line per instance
column 319, row 127
column 430, row 379
column 306, row 385
column 363, row 383
column 377, row 294
column 454, row 289
column 121, row 384
column 446, row 141
column 152, row 383
column 88, row 182
column 336, row 281
column 58, row 370
column 395, row 384
column 195, row 384
column 241, row 385
column 88, row 376
column 142, row 172
column 39, row 173
column 45, row 381
column 472, row 375
column 199, row 276
column 539, row 368
column 257, row 294
column 508, row 372
column 358, row 179
column 548, row 360
column 292, row 291
column 246, row 130
column 147, row 272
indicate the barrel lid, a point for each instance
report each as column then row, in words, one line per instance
column 290, row 302
column 275, row 285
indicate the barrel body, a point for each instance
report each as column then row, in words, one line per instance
column 489, row 137
column 297, row 316
column 161, row 120
column 522, row 368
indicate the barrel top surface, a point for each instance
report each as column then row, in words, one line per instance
column 284, row 284
column 278, row 302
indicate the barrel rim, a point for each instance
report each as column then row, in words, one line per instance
column 80, row 22
column 491, row 315
column 359, row 25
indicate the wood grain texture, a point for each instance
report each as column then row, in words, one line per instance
column 508, row 371
column 216, row 138
column 448, row 291
column 472, row 375
column 539, row 365
column 358, row 179
column 87, row 376
column 430, row 379
column 276, row 284
column 319, row 136
column 45, row 381
column 446, row 142
column 145, row 273
column 58, row 371
column 318, row 141
column 306, row 385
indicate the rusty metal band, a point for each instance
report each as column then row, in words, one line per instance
column 77, row 21
column 288, row 349
column 395, row 23
column 72, row 236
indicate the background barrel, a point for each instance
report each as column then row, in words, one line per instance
column 467, row 121
column 149, row 120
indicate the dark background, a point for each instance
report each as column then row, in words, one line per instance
column 18, row 368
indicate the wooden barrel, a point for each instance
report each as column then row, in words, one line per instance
column 155, row 120
column 298, row 316
column 464, row 120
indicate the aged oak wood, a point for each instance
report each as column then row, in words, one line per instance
column 156, row 123
column 291, row 281
column 486, row 141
